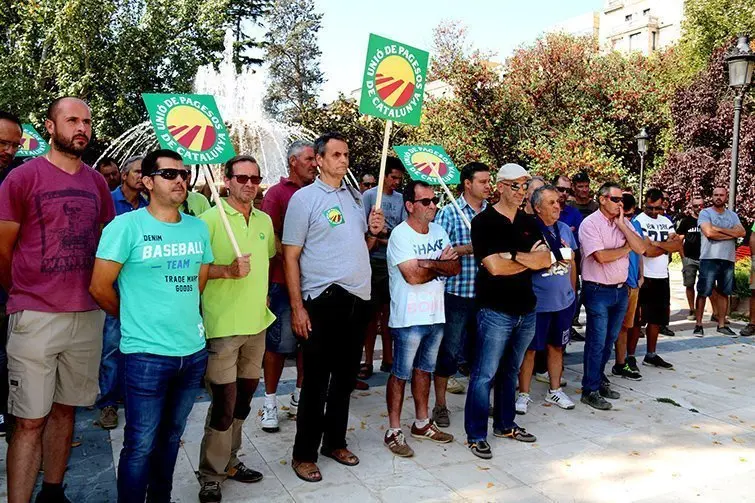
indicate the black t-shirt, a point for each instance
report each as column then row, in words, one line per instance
column 495, row 233
column 688, row 226
column 586, row 209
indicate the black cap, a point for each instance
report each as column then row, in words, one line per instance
column 580, row 177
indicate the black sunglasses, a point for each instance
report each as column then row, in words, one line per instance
column 565, row 190
column 369, row 184
column 427, row 200
column 172, row 173
column 615, row 199
column 243, row 179
column 515, row 186
column 653, row 208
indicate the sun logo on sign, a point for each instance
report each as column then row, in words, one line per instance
column 424, row 162
column 191, row 128
column 394, row 81
column 28, row 142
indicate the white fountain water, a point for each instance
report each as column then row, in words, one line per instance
column 239, row 99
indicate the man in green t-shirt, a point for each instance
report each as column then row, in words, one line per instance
column 236, row 316
column 161, row 260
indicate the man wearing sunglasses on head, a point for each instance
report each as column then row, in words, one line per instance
column 161, row 259
column 689, row 230
column 235, row 312
column 508, row 244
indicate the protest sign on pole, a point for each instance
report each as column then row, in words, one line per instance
column 32, row 143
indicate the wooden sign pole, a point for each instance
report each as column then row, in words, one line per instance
column 450, row 195
column 219, row 206
column 383, row 157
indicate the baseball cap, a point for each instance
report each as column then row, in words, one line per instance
column 580, row 177
column 511, row 171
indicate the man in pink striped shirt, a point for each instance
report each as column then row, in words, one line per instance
column 606, row 238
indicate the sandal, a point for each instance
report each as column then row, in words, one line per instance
column 343, row 456
column 361, row 386
column 365, row 371
column 308, row 472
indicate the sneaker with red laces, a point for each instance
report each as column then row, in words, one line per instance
column 430, row 431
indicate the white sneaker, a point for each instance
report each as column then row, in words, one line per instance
column 270, row 418
column 545, row 377
column 559, row 398
column 521, row 403
column 455, row 386
column 293, row 406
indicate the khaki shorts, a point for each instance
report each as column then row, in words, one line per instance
column 53, row 357
column 634, row 294
column 231, row 358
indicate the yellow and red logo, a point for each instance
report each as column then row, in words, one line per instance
column 395, row 81
column 191, row 128
column 334, row 216
column 424, row 162
column 29, row 142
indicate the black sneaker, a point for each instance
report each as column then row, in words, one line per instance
column 55, row 495
column 748, row 330
column 242, row 473
column 606, row 392
column 656, row 361
column 575, row 322
column 481, row 449
column 626, row 372
column 665, row 330
column 515, row 433
column 698, row 331
column 575, row 336
column 727, row 331
column 594, row 400
column 632, row 362
column 210, row 492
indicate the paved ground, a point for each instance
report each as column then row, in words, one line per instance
column 681, row 435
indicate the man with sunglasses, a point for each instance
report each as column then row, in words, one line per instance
column 368, row 182
column 689, row 230
column 606, row 238
column 419, row 257
column 655, row 293
column 509, row 245
column 52, row 210
column 161, row 260
column 326, row 242
column 11, row 132
column 235, row 316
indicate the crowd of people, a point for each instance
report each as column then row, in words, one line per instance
column 124, row 289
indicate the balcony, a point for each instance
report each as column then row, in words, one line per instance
column 639, row 24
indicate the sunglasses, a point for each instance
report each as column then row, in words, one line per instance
column 172, row 174
column 425, row 201
column 653, row 208
column 516, row 186
column 244, row 179
column 697, row 206
column 615, row 199
column 369, row 184
column 565, row 190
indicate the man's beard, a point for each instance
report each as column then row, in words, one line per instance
column 719, row 204
column 68, row 147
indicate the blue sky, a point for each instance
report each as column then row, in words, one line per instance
column 499, row 26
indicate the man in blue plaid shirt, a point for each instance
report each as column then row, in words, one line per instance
column 460, row 290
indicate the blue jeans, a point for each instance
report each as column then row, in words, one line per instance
column 160, row 392
column 502, row 340
column 111, row 364
column 606, row 307
column 715, row 273
column 415, row 348
column 460, row 326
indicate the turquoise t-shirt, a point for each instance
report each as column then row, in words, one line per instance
column 159, row 281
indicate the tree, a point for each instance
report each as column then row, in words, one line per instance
column 242, row 13
column 294, row 57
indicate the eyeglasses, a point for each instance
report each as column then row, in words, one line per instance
column 172, row 174
column 243, row 179
column 615, row 199
column 516, row 186
column 427, row 200
column 653, row 208
column 9, row 145
column 565, row 190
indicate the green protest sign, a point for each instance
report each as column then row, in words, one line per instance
column 32, row 143
column 190, row 124
column 419, row 161
column 394, row 81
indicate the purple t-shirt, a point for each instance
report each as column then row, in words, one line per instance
column 60, row 216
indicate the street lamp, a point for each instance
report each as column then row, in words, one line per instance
column 740, row 63
column 642, row 149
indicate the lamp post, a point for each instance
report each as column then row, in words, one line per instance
column 642, row 149
column 740, row 63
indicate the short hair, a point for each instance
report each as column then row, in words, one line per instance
column 558, row 178
column 720, row 187
column 629, row 201
column 6, row 116
column 126, row 166
column 53, row 107
column 537, row 178
column 653, row 194
column 149, row 163
column 605, row 189
column 323, row 140
column 580, row 177
column 410, row 187
column 393, row 164
column 230, row 163
column 469, row 170
column 537, row 196
column 105, row 161
column 296, row 147
column 367, row 174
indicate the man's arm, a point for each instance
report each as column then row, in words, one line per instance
column 8, row 236
column 101, row 287
column 714, row 233
column 420, row 271
column 462, row 250
column 204, row 275
column 498, row 265
column 299, row 317
column 738, row 231
column 636, row 242
column 239, row 268
column 612, row 254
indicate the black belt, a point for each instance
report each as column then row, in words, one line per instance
column 603, row 285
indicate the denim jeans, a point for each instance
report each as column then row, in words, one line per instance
column 606, row 307
column 460, row 327
column 111, row 364
column 502, row 340
column 415, row 348
column 159, row 392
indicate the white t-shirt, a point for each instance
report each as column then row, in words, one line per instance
column 655, row 229
column 415, row 305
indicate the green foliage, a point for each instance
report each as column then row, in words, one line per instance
column 241, row 14
column 294, row 57
column 742, row 278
